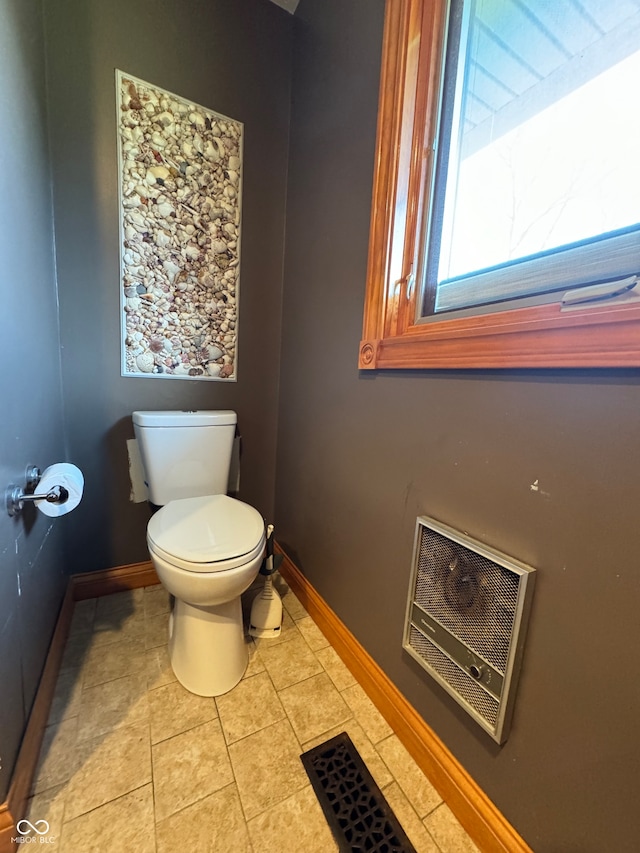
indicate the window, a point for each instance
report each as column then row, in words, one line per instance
column 506, row 212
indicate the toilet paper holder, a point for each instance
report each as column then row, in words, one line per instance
column 15, row 497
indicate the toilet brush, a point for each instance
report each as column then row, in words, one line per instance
column 266, row 610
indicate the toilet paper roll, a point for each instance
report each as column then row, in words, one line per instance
column 61, row 474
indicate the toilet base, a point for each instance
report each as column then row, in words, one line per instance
column 207, row 647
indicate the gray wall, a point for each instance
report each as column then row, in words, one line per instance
column 234, row 58
column 31, row 426
column 360, row 456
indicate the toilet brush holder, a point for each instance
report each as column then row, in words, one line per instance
column 266, row 610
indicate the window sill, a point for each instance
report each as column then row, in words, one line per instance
column 542, row 336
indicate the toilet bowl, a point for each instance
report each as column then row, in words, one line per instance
column 207, row 551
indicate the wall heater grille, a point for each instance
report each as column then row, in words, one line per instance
column 466, row 619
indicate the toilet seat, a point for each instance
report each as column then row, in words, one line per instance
column 206, row 534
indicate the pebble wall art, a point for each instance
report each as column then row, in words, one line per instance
column 180, row 194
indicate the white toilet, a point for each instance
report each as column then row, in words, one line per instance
column 206, row 547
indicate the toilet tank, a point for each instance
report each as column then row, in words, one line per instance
column 185, row 454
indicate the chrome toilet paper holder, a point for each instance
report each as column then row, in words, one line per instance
column 15, row 496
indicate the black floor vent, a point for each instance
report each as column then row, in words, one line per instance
column 357, row 812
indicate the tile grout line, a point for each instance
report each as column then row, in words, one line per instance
column 153, row 781
column 101, row 805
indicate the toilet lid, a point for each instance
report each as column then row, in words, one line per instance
column 207, row 529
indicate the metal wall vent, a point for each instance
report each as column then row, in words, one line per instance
column 467, row 613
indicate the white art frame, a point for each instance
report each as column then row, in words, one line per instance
column 180, row 168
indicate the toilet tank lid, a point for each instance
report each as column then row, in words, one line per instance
column 177, row 419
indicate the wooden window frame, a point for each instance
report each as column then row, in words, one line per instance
column 540, row 336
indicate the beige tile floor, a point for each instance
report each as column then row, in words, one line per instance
column 133, row 762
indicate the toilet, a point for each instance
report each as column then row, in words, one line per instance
column 206, row 547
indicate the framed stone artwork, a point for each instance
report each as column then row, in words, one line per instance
column 180, row 185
